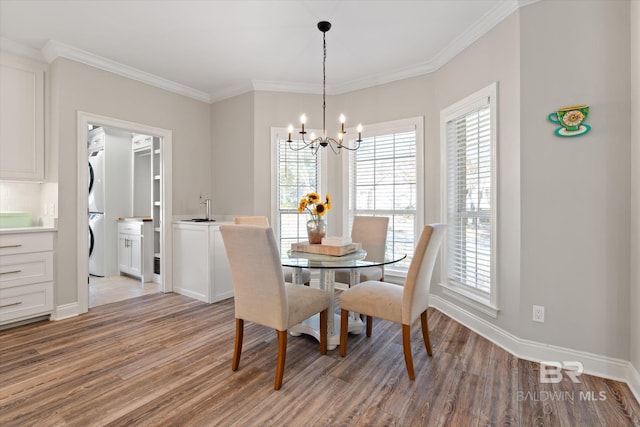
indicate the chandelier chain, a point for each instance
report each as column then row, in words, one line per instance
column 324, row 82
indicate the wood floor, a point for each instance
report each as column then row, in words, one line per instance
column 165, row 360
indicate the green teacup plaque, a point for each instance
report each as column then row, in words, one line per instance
column 570, row 118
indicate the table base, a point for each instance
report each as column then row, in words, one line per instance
column 311, row 326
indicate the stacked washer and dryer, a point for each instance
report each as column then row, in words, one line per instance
column 110, row 196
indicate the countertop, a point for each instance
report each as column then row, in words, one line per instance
column 35, row 229
column 201, row 223
column 135, row 218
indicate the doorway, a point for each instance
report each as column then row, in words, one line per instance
column 116, row 287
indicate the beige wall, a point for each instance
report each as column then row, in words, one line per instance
column 634, row 308
column 232, row 153
column 575, row 191
column 76, row 87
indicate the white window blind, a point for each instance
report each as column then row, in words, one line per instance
column 469, row 198
column 383, row 182
column 297, row 173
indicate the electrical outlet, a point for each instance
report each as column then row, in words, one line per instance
column 538, row 313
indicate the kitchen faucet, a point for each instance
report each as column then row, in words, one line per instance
column 207, row 207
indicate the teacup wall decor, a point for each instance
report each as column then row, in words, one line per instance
column 571, row 120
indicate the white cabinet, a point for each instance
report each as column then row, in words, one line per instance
column 21, row 118
column 200, row 266
column 26, row 276
column 135, row 249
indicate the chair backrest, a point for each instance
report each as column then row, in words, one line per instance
column 371, row 231
column 256, row 273
column 415, row 296
column 252, row 220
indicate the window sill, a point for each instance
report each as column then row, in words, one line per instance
column 478, row 302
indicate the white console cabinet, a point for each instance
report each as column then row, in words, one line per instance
column 135, row 249
column 26, row 276
column 200, row 266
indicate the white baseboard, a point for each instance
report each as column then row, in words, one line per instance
column 598, row 365
column 66, row 310
column 634, row 382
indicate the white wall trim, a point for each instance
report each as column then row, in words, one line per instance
column 8, row 45
column 65, row 311
column 166, row 150
column 54, row 49
column 634, row 381
column 594, row 364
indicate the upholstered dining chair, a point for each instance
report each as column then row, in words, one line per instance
column 261, row 295
column 288, row 271
column 400, row 304
column 371, row 231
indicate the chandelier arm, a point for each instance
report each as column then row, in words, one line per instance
column 299, row 146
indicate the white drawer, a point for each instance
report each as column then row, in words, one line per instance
column 23, row 302
column 11, row 244
column 128, row 227
column 24, row 269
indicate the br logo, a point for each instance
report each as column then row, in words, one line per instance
column 551, row 372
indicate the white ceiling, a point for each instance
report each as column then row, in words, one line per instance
column 213, row 49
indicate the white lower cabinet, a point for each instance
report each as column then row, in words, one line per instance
column 200, row 266
column 135, row 249
column 26, row 276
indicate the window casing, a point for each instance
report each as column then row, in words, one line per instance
column 386, row 179
column 468, row 130
column 295, row 173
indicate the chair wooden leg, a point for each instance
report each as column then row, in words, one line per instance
column 369, row 326
column 344, row 330
column 282, row 356
column 237, row 349
column 425, row 333
column 406, row 344
column 324, row 316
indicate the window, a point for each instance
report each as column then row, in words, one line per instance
column 469, row 146
column 296, row 173
column 385, row 179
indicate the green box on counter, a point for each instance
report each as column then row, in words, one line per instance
column 15, row 219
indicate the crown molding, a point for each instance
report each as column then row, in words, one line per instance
column 53, row 49
column 230, row 92
column 291, row 87
column 7, row 45
column 473, row 33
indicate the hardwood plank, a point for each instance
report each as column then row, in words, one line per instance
column 500, row 405
column 165, row 359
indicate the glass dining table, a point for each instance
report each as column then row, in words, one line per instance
column 327, row 265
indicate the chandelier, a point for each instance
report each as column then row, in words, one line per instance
column 314, row 142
